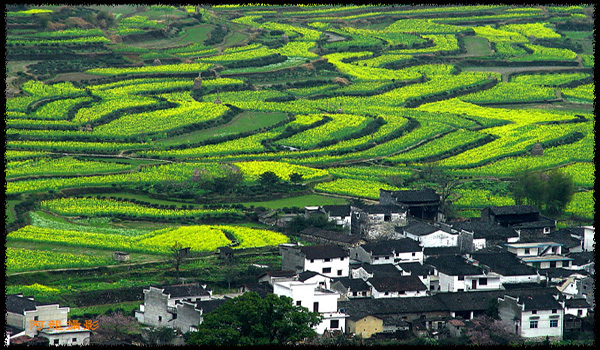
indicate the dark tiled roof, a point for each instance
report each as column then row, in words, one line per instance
column 210, row 305
column 484, row 229
column 504, row 263
column 542, row 222
column 539, row 302
column 577, row 303
column 385, row 247
column 415, row 196
column 453, row 265
column 416, row 268
column 261, row 288
column 359, row 308
column 464, row 301
column 184, row 290
column 381, row 270
column 331, row 235
column 560, row 272
column 337, row 210
column 303, row 276
column 324, row 251
column 18, row 304
column 514, row 209
column 281, row 273
column 355, row 284
column 422, row 228
column 435, row 251
column 395, row 284
column 382, row 209
column 582, row 258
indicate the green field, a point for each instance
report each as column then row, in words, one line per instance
column 467, row 90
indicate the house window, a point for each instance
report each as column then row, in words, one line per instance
column 339, row 272
column 375, row 258
column 527, row 250
column 159, row 318
column 554, row 311
column 533, row 324
column 546, row 230
column 579, row 312
column 552, row 263
column 553, row 323
column 326, row 269
column 36, row 318
column 327, row 260
column 342, row 258
column 387, row 217
column 461, row 278
column 483, row 281
column 316, row 306
column 56, row 341
column 334, row 324
column 402, row 292
column 312, row 260
column 534, row 312
column 386, row 293
column 414, row 254
column 74, row 340
column 460, row 290
column 298, row 302
column 355, row 293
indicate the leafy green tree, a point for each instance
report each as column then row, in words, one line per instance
column 560, row 192
column 550, row 191
column 159, row 335
column 268, row 180
column 251, row 320
column 296, row 178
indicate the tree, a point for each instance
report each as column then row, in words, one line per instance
column 251, row 320
column 549, row 191
column 296, row 178
column 487, row 331
column 444, row 184
column 177, row 256
column 115, row 326
column 560, row 192
column 268, row 179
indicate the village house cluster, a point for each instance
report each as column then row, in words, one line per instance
column 399, row 269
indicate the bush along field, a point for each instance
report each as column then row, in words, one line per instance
column 166, row 126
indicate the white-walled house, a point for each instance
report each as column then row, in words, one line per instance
column 397, row 287
column 507, row 265
column 330, row 260
column 524, row 250
column 45, row 320
column 588, row 238
column 456, row 275
column 160, row 309
column 533, row 316
column 315, row 299
column 340, row 214
column 389, row 251
column 577, row 307
column 430, row 235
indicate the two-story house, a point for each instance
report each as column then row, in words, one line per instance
column 486, row 233
column 423, row 204
column 525, row 219
column 340, row 214
column 507, row 265
column 34, row 319
column 351, row 288
column 541, row 255
column 374, row 222
column 429, row 235
column 456, row 275
column 397, row 287
column 316, row 299
column 388, row 252
column 532, row 316
column 329, row 260
column 160, row 309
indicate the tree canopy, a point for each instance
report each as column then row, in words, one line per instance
column 252, row 320
column 550, row 191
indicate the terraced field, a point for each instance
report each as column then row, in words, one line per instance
column 345, row 100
